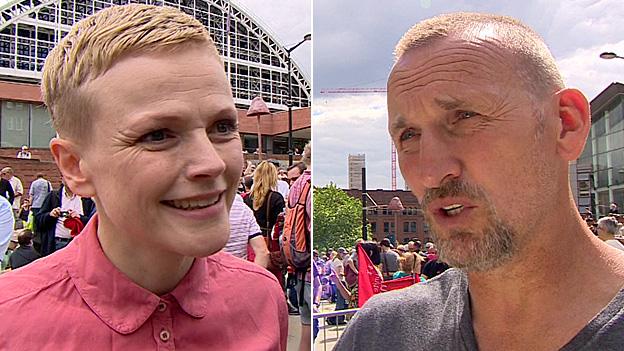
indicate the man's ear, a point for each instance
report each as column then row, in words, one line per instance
column 574, row 123
column 72, row 167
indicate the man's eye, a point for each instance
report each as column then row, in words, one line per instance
column 156, row 136
column 465, row 114
column 406, row 135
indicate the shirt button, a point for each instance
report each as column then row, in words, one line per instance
column 164, row 335
column 162, row 307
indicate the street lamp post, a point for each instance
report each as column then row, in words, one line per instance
column 610, row 55
column 288, row 51
column 395, row 206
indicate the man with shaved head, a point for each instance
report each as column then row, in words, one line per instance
column 484, row 129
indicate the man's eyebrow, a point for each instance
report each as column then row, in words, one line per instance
column 398, row 123
column 449, row 103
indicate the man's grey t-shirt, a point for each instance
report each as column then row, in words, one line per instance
column 390, row 261
column 39, row 189
column 435, row 315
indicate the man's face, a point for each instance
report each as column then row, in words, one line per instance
column 470, row 146
column 165, row 153
column 293, row 174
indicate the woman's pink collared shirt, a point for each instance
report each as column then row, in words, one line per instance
column 76, row 299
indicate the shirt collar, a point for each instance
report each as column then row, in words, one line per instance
column 119, row 302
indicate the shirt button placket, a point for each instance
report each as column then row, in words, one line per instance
column 162, row 326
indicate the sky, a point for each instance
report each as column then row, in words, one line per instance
column 289, row 21
column 354, row 41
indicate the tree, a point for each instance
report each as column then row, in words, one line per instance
column 337, row 218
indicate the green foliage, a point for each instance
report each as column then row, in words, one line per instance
column 337, row 218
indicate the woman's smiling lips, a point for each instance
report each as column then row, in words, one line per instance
column 198, row 207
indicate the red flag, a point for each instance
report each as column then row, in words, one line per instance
column 400, row 283
column 369, row 281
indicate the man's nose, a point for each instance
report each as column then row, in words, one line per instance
column 204, row 159
column 438, row 161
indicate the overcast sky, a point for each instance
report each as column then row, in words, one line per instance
column 289, row 20
column 353, row 44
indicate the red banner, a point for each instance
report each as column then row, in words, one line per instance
column 400, row 283
column 369, row 281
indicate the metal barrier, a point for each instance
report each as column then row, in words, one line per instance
column 324, row 327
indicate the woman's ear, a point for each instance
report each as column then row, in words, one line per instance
column 72, row 166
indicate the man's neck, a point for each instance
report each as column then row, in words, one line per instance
column 546, row 287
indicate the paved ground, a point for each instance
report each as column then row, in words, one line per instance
column 328, row 334
column 294, row 333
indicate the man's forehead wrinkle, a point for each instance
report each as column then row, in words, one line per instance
column 442, row 58
column 406, row 80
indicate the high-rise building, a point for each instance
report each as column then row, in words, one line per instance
column 597, row 176
column 356, row 163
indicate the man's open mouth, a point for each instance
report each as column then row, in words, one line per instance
column 189, row 205
column 452, row 210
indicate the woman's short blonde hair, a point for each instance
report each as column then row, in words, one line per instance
column 94, row 45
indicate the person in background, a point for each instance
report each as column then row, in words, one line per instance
column 613, row 208
column 25, row 253
column 7, row 223
column 281, row 185
column 18, row 190
column 244, row 230
column 24, row 153
column 250, row 169
column 295, row 171
column 266, row 203
column 59, row 206
column 39, row 189
column 6, row 190
column 304, row 278
column 608, row 228
column 389, row 259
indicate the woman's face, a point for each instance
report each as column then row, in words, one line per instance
column 165, row 157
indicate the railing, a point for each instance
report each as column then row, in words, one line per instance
column 326, row 329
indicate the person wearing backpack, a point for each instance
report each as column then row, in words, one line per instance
column 296, row 243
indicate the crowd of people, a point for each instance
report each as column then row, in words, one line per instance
column 338, row 269
column 257, row 222
column 45, row 219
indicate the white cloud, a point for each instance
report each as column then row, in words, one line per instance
column 351, row 124
column 584, row 69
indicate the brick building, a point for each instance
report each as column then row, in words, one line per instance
column 410, row 221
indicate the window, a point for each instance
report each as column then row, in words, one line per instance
column 25, row 124
column 14, row 125
column 373, row 227
column 386, row 227
column 41, row 131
